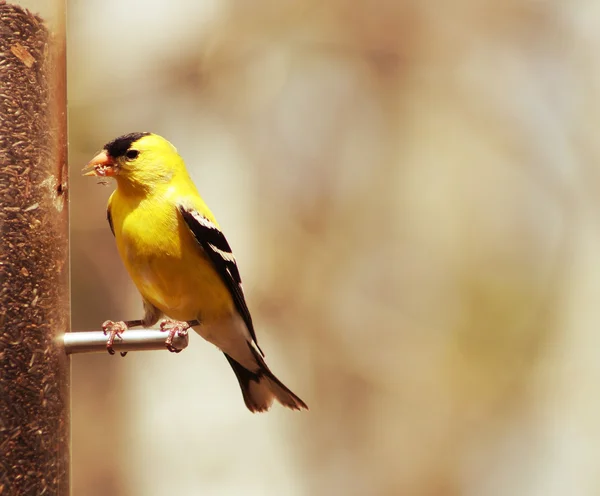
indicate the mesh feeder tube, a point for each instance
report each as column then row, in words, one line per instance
column 34, row 267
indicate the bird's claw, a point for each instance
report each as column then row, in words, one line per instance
column 173, row 327
column 114, row 330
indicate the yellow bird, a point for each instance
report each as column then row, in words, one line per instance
column 180, row 261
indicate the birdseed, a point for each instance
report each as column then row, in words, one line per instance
column 34, row 269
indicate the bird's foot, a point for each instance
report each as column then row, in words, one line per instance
column 114, row 330
column 173, row 327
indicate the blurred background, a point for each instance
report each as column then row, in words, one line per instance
column 411, row 189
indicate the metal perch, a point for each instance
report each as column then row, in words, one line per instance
column 131, row 340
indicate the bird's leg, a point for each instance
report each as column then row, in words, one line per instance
column 115, row 329
column 174, row 327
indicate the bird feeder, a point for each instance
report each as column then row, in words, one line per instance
column 34, row 250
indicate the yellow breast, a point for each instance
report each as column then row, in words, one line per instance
column 165, row 262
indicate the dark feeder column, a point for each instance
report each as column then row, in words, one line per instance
column 34, row 244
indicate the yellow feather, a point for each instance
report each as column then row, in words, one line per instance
column 164, row 260
column 168, row 264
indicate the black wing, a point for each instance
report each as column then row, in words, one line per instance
column 109, row 219
column 214, row 244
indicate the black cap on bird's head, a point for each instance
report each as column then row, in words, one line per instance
column 141, row 158
column 119, row 146
column 106, row 162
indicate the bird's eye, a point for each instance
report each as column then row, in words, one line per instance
column 131, row 154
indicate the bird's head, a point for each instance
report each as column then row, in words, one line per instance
column 137, row 160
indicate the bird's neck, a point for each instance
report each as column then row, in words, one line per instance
column 132, row 188
column 145, row 183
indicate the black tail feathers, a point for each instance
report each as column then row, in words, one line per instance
column 259, row 389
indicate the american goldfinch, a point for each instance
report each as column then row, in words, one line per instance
column 180, row 261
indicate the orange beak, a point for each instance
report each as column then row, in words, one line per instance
column 101, row 165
